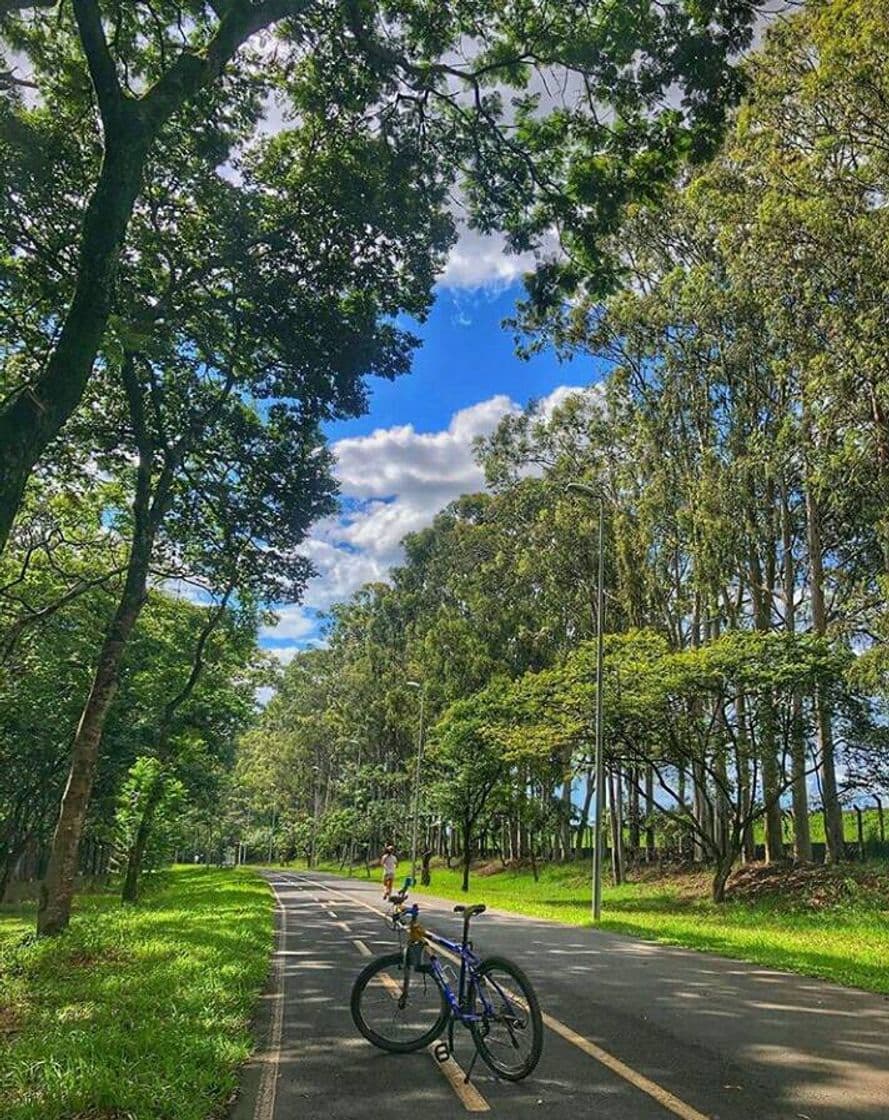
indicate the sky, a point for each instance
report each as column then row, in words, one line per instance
column 410, row 455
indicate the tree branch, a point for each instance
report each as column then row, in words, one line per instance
column 192, row 70
column 11, row 7
column 103, row 71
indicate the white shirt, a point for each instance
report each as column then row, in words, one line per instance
column 389, row 864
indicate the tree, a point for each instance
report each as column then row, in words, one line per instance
column 150, row 68
column 470, row 759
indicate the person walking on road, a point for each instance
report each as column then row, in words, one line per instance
column 389, row 862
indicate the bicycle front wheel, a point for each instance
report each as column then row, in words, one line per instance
column 509, row 1033
column 393, row 1015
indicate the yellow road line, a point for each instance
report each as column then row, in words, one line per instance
column 468, row 1095
column 664, row 1097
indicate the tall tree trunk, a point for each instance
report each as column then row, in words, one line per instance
column 681, row 806
column 701, row 811
column 58, row 885
column 774, row 835
column 833, row 813
column 585, row 811
column 768, row 748
column 36, row 414
column 136, row 854
column 802, row 837
column 802, row 841
column 649, row 813
column 565, row 823
column 467, row 855
column 745, row 790
column 633, row 809
column 617, row 840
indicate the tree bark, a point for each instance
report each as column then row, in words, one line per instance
column 833, row 813
column 649, row 813
column 136, row 855
column 37, row 413
column 467, row 855
column 774, row 834
column 723, row 870
column 617, row 840
column 58, row 886
column 633, row 807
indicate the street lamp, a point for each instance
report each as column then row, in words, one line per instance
column 416, row 823
column 589, row 492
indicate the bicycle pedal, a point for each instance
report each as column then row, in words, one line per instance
column 441, row 1052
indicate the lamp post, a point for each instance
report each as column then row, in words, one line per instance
column 272, row 832
column 416, row 822
column 588, row 491
column 354, row 743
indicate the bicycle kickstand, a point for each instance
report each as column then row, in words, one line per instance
column 471, row 1068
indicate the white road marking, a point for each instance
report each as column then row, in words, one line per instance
column 363, row 949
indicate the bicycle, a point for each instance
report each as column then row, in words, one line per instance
column 402, row 1002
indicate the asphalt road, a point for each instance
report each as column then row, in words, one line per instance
column 634, row 1031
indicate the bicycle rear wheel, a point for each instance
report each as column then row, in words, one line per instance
column 391, row 1018
column 509, row 1034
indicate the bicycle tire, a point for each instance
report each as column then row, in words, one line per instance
column 430, row 1028
column 530, row 1020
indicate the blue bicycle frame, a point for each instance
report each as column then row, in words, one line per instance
column 420, row 938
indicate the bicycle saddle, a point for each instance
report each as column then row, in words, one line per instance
column 470, row 911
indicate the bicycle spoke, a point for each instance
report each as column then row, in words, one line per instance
column 506, row 1034
column 400, row 1018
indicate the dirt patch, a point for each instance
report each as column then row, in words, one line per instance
column 811, row 886
column 83, row 958
column 10, row 1021
column 103, row 1114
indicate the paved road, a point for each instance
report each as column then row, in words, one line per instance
column 635, row 1031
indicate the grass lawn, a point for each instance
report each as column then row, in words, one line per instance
column 138, row 1012
column 832, row 924
column 870, row 823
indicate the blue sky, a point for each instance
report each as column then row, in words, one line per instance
column 410, row 454
column 466, row 356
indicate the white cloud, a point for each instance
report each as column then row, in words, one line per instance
column 400, row 479
column 394, row 481
column 293, row 623
column 481, row 259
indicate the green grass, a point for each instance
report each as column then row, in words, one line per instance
column 870, row 822
column 837, row 928
column 138, row 1012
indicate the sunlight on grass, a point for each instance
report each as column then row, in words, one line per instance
column 138, row 1012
